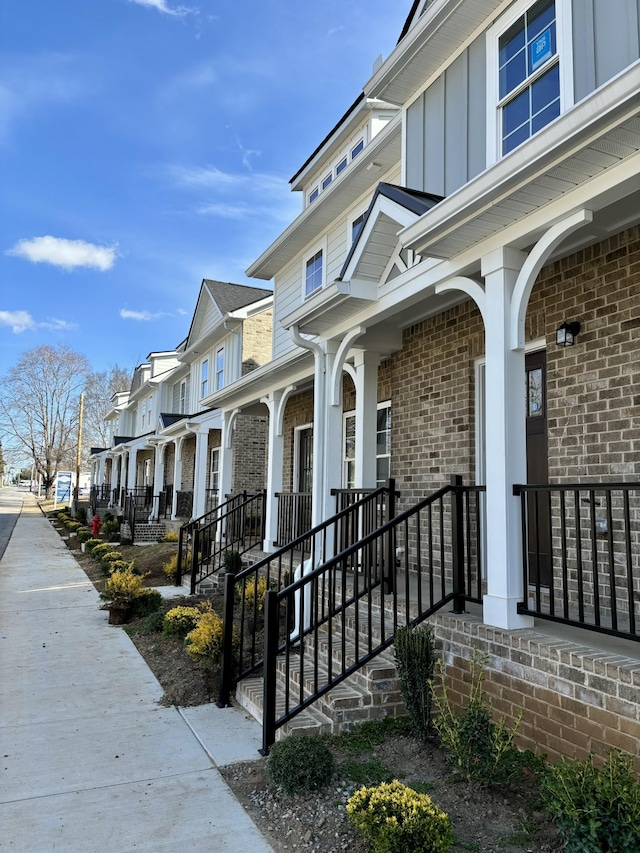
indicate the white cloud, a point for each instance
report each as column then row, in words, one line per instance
column 225, row 211
column 162, row 6
column 140, row 315
column 64, row 253
column 19, row 321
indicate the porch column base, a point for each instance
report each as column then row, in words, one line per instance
column 267, row 546
column 502, row 613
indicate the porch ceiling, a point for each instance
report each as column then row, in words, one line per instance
column 582, row 145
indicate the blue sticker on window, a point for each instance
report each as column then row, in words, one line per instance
column 541, row 49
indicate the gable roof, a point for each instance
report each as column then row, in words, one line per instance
column 415, row 202
column 223, row 298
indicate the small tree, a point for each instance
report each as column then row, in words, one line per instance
column 39, row 406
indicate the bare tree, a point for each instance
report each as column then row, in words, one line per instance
column 100, row 388
column 39, row 406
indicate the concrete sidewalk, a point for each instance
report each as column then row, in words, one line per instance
column 90, row 761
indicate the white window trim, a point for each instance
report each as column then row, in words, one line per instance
column 321, row 246
column 363, row 134
column 351, row 218
column 202, row 380
column 384, row 404
column 565, row 58
column 213, row 453
column 182, row 397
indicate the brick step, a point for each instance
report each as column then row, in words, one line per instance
column 249, row 694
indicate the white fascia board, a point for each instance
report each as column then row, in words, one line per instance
column 611, row 104
column 252, row 309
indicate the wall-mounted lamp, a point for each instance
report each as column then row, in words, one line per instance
column 566, row 334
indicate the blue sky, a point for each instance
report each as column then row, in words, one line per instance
column 145, row 145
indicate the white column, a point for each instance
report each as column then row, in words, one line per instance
column 200, row 473
column 226, row 457
column 327, row 437
column 131, row 469
column 158, row 479
column 274, row 469
column 505, row 443
column 366, row 365
column 101, row 468
column 177, row 476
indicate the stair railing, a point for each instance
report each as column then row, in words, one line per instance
column 242, row 652
column 434, row 548
column 236, row 525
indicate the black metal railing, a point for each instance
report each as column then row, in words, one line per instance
column 210, row 499
column 294, row 515
column 277, row 571
column 131, row 512
column 165, row 501
column 236, row 525
column 581, row 555
column 143, row 496
column 342, row 618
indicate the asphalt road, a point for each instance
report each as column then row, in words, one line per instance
column 11, row 500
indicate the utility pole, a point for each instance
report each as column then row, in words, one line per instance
column 76, row 491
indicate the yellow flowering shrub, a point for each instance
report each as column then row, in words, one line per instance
column 204, row 642
column 170, row 567
column 171, row 536
column 122, row 587
column 394, row 818
column 254, row 593
column 179, row 621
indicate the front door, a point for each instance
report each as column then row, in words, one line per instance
column 539, row 523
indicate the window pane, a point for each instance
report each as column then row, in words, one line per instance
column 539, row 17
column 314, row 273
column 516, row 138
column 515, row 113
column 357, row 149
column 313, row 195
column 543, row 118
column 545, row 90
column 341, row 165
column 356, row 227
column 382, row 470
column 327, row 181
column 513, row 73
column 511, row 42
column 535, row 406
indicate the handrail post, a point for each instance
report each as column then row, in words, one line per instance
column 269, row 670
column 226, row 661
column 390, row 551
column 457, row 544
column 178, row 575
column 195, row 547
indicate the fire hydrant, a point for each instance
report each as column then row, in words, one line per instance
column 95, row 525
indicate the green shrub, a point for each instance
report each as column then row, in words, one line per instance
column 110, row 529
column 84, row 534
column 92, row 543
column 232, row 562
column 415, row 654
column 300, row 763
column 147, row 602
column 154, row 622
column 179, row 621
column 477, row 747
column 594, row 808
column 81, row 515
column 396, row 819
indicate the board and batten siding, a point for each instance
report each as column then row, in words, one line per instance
column 445, row 126
column 606, row 40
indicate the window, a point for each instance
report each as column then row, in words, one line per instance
column 219, row 369
column 214, row 468
column 184, row 397
column 204, row 378
column 342, row 165
column 149, row 410
column 313, row 195
column 530, row 81
column 383, row 447
column 356, row 227
column 313, row 276
column 383, row 444
column 327, row 181
column 143, row 415
column 357, row 149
